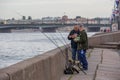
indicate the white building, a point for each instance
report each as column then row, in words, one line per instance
column 105, row 21
column 24, row 21
column 51, row 20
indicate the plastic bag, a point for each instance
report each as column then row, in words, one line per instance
column 77, row 39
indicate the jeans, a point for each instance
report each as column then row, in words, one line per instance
column 82, row 58
column 74, row 52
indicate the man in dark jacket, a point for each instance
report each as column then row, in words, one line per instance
column 71, row 37
column 82, row 47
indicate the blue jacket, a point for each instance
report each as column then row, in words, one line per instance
column 73, row 43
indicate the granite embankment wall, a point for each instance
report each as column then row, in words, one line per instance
column 103, row 38
column 50, row 65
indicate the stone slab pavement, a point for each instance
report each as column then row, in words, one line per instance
column 104, row 64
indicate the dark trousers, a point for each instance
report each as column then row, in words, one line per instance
column 82, row 58
column 74, row 53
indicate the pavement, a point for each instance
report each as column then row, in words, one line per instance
column 104, row 64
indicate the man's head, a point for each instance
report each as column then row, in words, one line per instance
column 76, row 27
column 81, row 27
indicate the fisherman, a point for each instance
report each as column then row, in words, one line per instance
column 82, row 47
column 71, row 37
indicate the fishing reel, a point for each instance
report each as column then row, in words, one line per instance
column 73, row 67
column 70, row 69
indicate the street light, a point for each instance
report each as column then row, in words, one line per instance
column 119, row 17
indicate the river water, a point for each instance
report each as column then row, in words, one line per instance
column 16, row 47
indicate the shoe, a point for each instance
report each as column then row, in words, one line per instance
column 85, row 68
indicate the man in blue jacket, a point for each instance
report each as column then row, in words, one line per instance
column 72, row 35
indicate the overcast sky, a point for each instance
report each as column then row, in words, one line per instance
column 41, row 8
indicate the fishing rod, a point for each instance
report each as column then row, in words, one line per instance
column 68, row 66
column 59, row 40
column 54, row 43
column 66, row 57
column 64, row 46
column 58, row 45
column 67, row 46
column 63, row 37
column 54, row 39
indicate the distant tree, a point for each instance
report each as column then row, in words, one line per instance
column 78, row 17
column 23, row 17
column 1, row 22
column 29, row 18
column 13, row 18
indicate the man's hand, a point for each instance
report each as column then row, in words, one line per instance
column 73, row 36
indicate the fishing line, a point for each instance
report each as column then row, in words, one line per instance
column 54, row 43
column 67, row 46
column 67, row 57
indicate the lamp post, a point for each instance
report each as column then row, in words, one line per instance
column 119, row 16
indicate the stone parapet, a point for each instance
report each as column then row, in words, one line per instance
column 103, row 38
column 48, row 66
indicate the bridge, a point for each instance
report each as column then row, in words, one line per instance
column 48, row 27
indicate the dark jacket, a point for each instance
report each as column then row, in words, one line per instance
column 73, row 43
column 83, row 42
